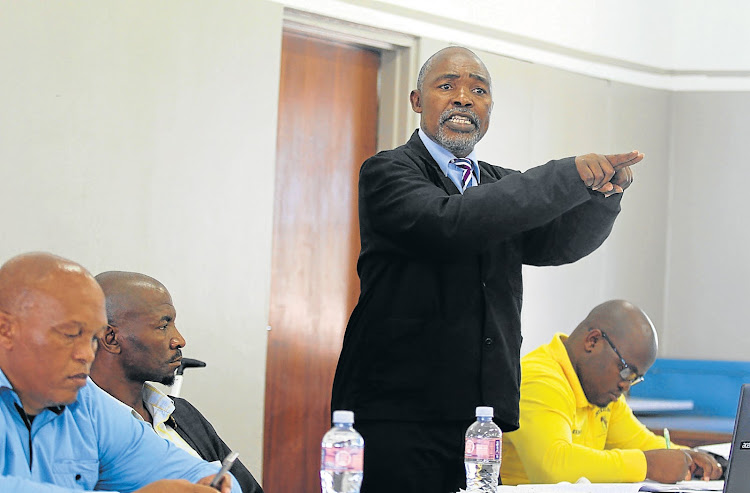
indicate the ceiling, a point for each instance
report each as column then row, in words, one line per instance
column 679, row 45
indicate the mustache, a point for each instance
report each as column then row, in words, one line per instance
column 467, row 112
column 176, row 356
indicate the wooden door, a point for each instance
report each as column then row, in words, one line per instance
column 328, row 102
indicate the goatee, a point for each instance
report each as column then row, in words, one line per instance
column 459, row 144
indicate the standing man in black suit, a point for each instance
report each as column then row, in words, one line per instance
column 142, row 344
column 436, row 331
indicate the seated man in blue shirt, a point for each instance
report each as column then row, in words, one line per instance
column 58, row 431
column 141, row 345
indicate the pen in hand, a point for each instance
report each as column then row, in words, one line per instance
column 225, row 466
column 666, row 439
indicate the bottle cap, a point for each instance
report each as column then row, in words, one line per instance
column 343, row 417
column 485, row 411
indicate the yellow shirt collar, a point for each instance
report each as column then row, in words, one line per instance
column 560, row 354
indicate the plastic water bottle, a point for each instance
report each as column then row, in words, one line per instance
column 483, row 452
column 341, row 456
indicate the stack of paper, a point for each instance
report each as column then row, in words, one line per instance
column 585, row 487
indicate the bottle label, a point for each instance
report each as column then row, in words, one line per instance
column 343, row 459
column 483, row 448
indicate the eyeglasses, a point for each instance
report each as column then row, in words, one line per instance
column 627, row 373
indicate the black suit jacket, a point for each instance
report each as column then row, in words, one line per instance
column 436, row 331
column 201, row 436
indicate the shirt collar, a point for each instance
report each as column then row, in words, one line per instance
column 5, row 385
column 443, row 156
column 560, row 354
column 158, row 404
column 4, row 382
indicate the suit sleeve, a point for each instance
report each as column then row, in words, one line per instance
column 574, row 234
column 544, row 441
column 405, row 206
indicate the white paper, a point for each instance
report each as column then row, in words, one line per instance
column 647, row 486
column 721, row 449
column 693, row 485
column 573, row 488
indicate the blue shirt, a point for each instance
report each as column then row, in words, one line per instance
column 92, row 444
column 442, row 157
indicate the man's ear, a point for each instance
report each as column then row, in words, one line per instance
column 416, row 101
column 591, row 340
column 8, row 328
column 109, row 341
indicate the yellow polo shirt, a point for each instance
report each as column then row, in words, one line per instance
column 562, row 436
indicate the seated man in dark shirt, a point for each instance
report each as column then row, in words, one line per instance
column 142, row 343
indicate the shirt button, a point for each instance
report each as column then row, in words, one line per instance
column 484, row 284
column 488, row 342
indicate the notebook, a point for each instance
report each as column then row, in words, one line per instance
column 737, row 478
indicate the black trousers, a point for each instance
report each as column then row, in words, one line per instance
column 413, row 457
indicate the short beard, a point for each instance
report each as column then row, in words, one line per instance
column 168, row 380
column 139, row 375
column 463, row 143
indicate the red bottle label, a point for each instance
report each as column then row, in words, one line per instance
column 483, row 448
column 343, row 459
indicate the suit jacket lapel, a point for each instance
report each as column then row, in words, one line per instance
column 421, row 155
column 185, row 436
column 486, row 176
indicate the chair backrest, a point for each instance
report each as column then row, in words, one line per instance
column 176, row 387
column 711, row 385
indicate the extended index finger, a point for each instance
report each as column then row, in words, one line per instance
column 619, row 161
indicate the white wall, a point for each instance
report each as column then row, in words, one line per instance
column 706, row 309
column 598, row 28
column 140, row 136
column 664, row 35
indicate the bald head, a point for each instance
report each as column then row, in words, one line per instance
column 126, row 293
column 624, row 317
column 38, row 272
column 448, row 52
column 623, row 320
column 51, row 312
column 615, row 326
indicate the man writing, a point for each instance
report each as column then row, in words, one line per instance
column 436, row 331
column 58, row 431
column 141, row 343
column 574, row 420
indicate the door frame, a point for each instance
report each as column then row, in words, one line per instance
column 398, row 69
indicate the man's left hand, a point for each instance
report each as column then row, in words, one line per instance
column 620, row 181
column 704, row 465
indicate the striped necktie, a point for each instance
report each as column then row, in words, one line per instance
column 466, row 167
